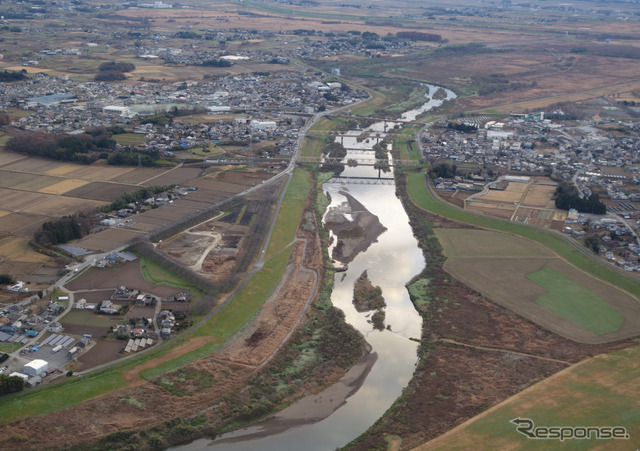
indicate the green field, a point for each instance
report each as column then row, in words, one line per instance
column 290, row 212
column 157, row 275
column 422, row 198
column 88, row 318
column 129, row 139
column 575, row 302
column 602, row 391
column 530, row 280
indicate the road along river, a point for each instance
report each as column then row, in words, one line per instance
column 342, row 412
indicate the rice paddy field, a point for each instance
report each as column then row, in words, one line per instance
column 35, row 190
column 532, row 281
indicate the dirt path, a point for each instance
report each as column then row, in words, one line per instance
column 197, row 266
column 132, row 376
column 487, row 348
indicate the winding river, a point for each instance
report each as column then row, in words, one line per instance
column 390, row 263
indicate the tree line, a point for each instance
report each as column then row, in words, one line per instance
column 12, row 75
column 83, row 148
column 123, row 200
column 113, row 71
column 63, row 230
column 419, row 36
column 443, row 170
column 10, row 384
column 567, row 197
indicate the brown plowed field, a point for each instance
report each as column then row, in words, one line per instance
column 102, row 191
column 20, row 200
column 138, row 176
column 218, row 186
column 99, row 171
column 107, row 239
column 63, row 206
column 102, row 352
column 21, row 223
column 178, row 176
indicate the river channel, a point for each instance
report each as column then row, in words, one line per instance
column 390, row 263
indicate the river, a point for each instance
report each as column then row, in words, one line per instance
column 390, row 263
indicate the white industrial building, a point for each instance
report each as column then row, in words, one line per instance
column 114, row 110
column 263, row 125
column 35, row 367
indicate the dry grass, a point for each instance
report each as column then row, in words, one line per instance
column 100, row 172
column 64, row 169
column 63, row 186
column 495, row 210
column 539, row 196
column 17, row 249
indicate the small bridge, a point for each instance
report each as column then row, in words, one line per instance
column 362, row 161
column 362, row 180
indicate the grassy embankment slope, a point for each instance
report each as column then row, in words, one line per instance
column 422, row 198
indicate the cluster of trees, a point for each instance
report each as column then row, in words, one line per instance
column 6, row 279
column 132, row 157
column 593, row 243
column 334, row 151
column 84, row 148
column 10, row 384
column 330, row 97
column 443, row 170
column 462, row 127
column 187, row 35
column 63, row 230
column 216, row 63
column 419, row 36
column 113, row 71
column 382, row 156
column 136, row 196
column 566, row 197
column 12, row 75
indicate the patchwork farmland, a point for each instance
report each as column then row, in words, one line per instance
column 527, row 202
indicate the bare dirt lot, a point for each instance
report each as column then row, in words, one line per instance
column 102, row 352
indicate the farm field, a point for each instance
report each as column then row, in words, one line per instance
column 530, row 203
column 128, row 274
column 527, row 278
column 539, row 196
column 513, row 193
column 500, row 211
column 63, row 186
column 601, row 391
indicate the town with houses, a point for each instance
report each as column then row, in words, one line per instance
column 598, row 152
